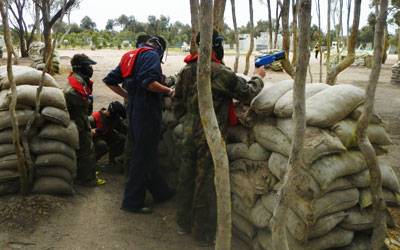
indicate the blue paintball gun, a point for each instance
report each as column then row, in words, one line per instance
column 268, row 59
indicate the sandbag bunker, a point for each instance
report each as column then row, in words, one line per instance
column 52, row 140
column 338, row 211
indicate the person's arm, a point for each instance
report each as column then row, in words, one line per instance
column 159, row 88
column 118, row 90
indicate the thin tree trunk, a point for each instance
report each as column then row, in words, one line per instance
column 250, row 51
column 293, row 182
column 328, row 40
column 294, row 31
column 309, row 72
column 37, row 21
column 351, row 50
column 269, row 23
column 378, row 204
column 194, row 13
column 218, row 19
column 398, row 44
column 213, row 135
column 24, row 186
column 385, row 45
column 237, row 55
column 286, row 38
column 278, row 16
column 348, row 21
column 319, row 39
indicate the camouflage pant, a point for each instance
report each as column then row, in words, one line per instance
column 112, row 143
column 85, row 161
column 196, row 199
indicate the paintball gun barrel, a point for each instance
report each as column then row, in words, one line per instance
column 268, row 59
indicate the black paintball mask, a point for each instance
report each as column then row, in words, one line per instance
column 82, row 64
column 218, row 46
column 161, row 44
column 116, row 109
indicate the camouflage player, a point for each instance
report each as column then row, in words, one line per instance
column 109, row 132
column 78, row 95
column 196, row 191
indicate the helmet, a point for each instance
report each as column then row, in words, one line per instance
column 117, row 110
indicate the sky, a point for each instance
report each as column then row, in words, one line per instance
column 179, row 10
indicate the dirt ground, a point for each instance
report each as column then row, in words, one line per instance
column 91, row 219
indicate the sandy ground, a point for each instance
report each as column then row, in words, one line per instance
column 91, row 219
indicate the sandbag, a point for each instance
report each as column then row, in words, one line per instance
column 338, row 237
column 257, row 172
column 6, row 149
column 56, row 115
column 69, row 135
column 346, row 132
column 25, row 75
column 178, row 131
column 392, row 199
column 51, row 185
column 55, row 171
column 257, row 215
column 265, row 101
column 389, row 178
column 9, row 162
column 277, row 164
column 44, row 146
column 264, row 238
column 26, row 95
column 243, row 226
column 167, row 102
column 168, row 117
column 332, row 105
column 362, row 219
column 253, row 152
column 284, row 105
column 317, row 142
column 56, row 160
column 22, row 116
column 271, row 138
column 325, row 224
column 360, row 242
column 6, row 135
column 375, row 118
column 8, row 175
column 238, row 133
column 331, row 167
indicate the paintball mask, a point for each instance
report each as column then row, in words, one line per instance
column 218, row 46
column 116, row 109
column 82, row 64
column 160, row 43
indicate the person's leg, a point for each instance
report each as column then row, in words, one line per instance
column 100, row 148
column 85, row 157
column 116, row 143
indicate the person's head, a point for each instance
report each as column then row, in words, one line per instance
column 116, row 109
column 217, row 44
column 82, row 64
column 160, row 43
column 142, row 39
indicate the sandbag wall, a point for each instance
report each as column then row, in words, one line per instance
column 52, row 139
column 337, row 211
column 395, row 74
column 36, row 54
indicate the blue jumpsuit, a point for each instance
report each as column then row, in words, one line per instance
column 144, row 113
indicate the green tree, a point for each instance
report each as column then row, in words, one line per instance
column 88, row 24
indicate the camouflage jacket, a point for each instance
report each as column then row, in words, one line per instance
column 225, row 85
column 79, row 108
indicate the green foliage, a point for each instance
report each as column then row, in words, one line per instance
column 88, row 24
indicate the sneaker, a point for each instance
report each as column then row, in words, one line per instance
column 182, row 230
column 160, row 200
column 93, row 183
column 142, row 210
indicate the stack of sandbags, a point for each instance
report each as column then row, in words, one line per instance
column 276, row 65
column 36, row 54
column 54, row 139
column 395, row 74
column 335, row 209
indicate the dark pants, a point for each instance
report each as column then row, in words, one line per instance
column 85, row 161
column 144, row 173
column 316, row 54
column 112, row 143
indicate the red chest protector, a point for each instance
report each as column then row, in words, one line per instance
column 99, row 124
column 84, row 91
column 232, row 119
column 128, row 60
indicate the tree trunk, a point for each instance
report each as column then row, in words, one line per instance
column 293, row 182
column 319, row 39
column 213, row 135
column 294, row 31
column 378, row 204
column 278, row 16
column 269, row 23
column 24, row 185
column 194, row 13
column 328, row 40
column 218, row 19
column 250, row 51
column 286, row 38
column 237, row 55
column 385, row 45
column 351, row 50
column 348, row 21
column 37, row 21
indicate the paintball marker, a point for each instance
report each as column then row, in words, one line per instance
column 268, row 59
